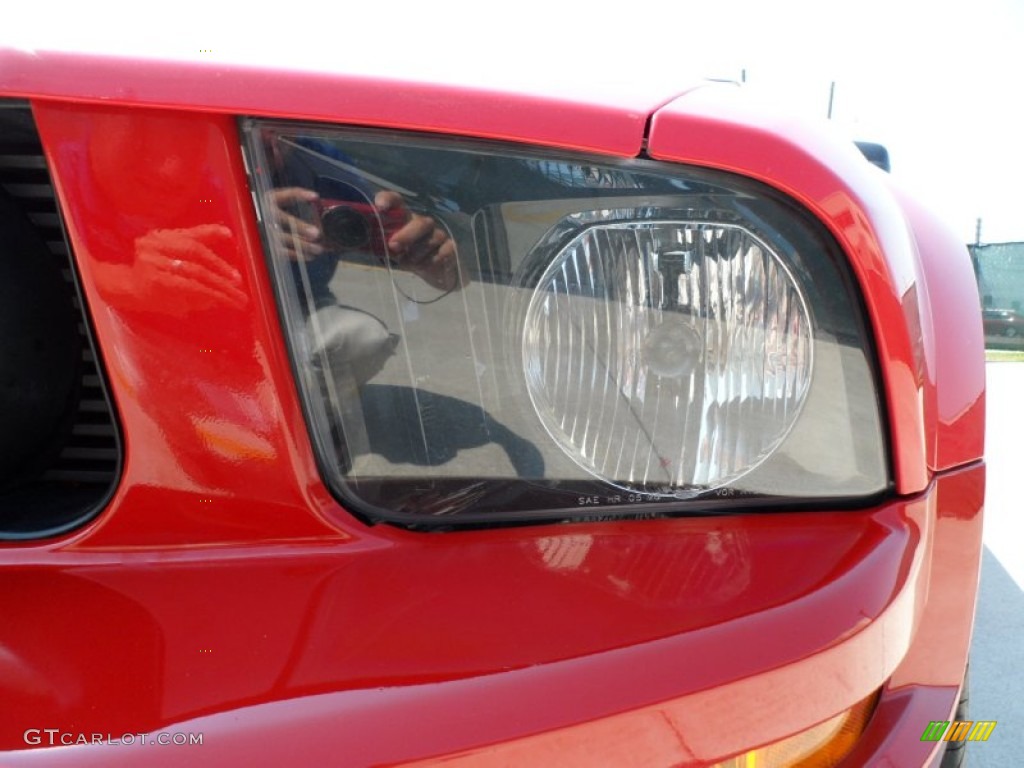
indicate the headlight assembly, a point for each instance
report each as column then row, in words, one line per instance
column 483, row 333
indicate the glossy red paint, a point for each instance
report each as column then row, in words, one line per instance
column 161, row 222
column 507, row 645
column 604, row 123
column 914, row 273
column 223, row 590
column 956, row 378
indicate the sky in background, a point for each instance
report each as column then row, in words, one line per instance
column 939, row 83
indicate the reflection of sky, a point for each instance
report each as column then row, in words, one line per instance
column 935, row 81
column 938, row 85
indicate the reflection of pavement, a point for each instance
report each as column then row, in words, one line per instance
column 997, row 656
column 1004, row 524
column 455, row 398
column 451, row 348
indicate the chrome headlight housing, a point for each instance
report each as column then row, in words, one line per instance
column 484, row 333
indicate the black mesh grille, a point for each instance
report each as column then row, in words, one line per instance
column 72, row 485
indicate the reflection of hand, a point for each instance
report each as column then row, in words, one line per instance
column 182, row 264
column 185, row 264
column 299, row 239
column 419, row 244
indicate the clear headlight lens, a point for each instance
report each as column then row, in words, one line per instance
column 669, row 357
column 482, row 333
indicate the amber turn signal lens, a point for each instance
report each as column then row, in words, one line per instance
column 823, row 746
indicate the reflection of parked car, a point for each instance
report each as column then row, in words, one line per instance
column 665, row 479
column 1002, row 322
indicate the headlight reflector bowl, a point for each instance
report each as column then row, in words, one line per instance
column 667, row 357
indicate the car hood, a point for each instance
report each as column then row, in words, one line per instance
column 597, row 110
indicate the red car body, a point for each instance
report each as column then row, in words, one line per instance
column 224, row 591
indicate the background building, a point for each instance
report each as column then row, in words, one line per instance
column 1000, row 271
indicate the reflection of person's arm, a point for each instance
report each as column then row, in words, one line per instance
column 420, row 245
column 299, row 239
column 177, row 264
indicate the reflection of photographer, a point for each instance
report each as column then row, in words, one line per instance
column 324, row 212
column 387, row 229
column 347, row 339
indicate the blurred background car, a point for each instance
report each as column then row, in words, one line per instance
column 1002, row 322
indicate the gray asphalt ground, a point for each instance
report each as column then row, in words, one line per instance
column 997, row 655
